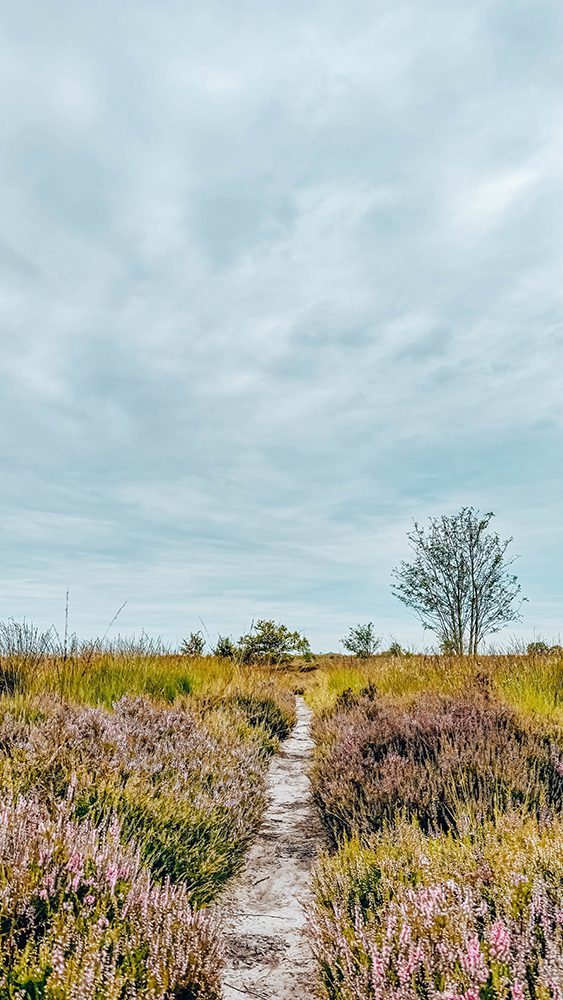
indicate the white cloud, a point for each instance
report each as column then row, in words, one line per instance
column 275, row 280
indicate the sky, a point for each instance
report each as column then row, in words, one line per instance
column 275, row 279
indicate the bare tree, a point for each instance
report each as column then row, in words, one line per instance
column 459, row 583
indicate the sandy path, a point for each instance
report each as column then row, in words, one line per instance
column 267, row 954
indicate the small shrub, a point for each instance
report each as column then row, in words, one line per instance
column 194, row 645
column 225, row 648
column 395, row 649
column 541, row 648
column 443, row 761
column 349, row 698
column 538, row 648
column 270, row 643
column 266, row 712
column 362, row 641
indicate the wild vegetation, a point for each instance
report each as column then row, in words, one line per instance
column 440, row 783
column 132, row 781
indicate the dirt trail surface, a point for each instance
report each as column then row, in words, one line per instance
column 264, row 917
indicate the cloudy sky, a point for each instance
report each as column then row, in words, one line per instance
column 275, row 278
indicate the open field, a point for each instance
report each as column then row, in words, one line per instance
column 133, row 784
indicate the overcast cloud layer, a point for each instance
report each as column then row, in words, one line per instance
column 275, row 279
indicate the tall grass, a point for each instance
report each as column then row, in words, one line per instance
column 530, row 684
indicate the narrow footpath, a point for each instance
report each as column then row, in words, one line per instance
column 264, row 915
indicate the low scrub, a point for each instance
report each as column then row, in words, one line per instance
column 474, row 918
column 444, row 814
column 188, row 790
column 81, row 916
column 445, row 761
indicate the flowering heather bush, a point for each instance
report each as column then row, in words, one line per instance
column 442, row 919
column 80, row 916
column 445, row 761
column 188, row 790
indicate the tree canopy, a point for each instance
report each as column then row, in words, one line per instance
column 459, row 582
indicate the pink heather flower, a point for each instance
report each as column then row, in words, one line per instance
column 408, row 964
column 377, row 967
column 75, row 863
column 89, row 900
column 473, row 962
column 517, row 991
column 49, row 883
column 71, row 789
column 499, row 941
column 471, row 994
column 112, row 876
column 405, row 934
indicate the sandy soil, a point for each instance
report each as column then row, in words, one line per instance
column 267, row 953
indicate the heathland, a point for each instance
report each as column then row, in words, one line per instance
column 133, row 782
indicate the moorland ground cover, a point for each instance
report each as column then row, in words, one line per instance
column 440, row 783
column 122, row 818
column 132, row 782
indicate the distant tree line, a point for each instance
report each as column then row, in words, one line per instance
column 266, row 642
column 458, row 582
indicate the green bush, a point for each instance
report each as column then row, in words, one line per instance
column 266, row 712
column 225, row 648
column 362, row 641
column 269, row 642
column 193, row 645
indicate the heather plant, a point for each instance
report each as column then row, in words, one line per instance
column 188, row 790
column 441, row 760
column 440, row 783
column 80, row 915
column 472, row 918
